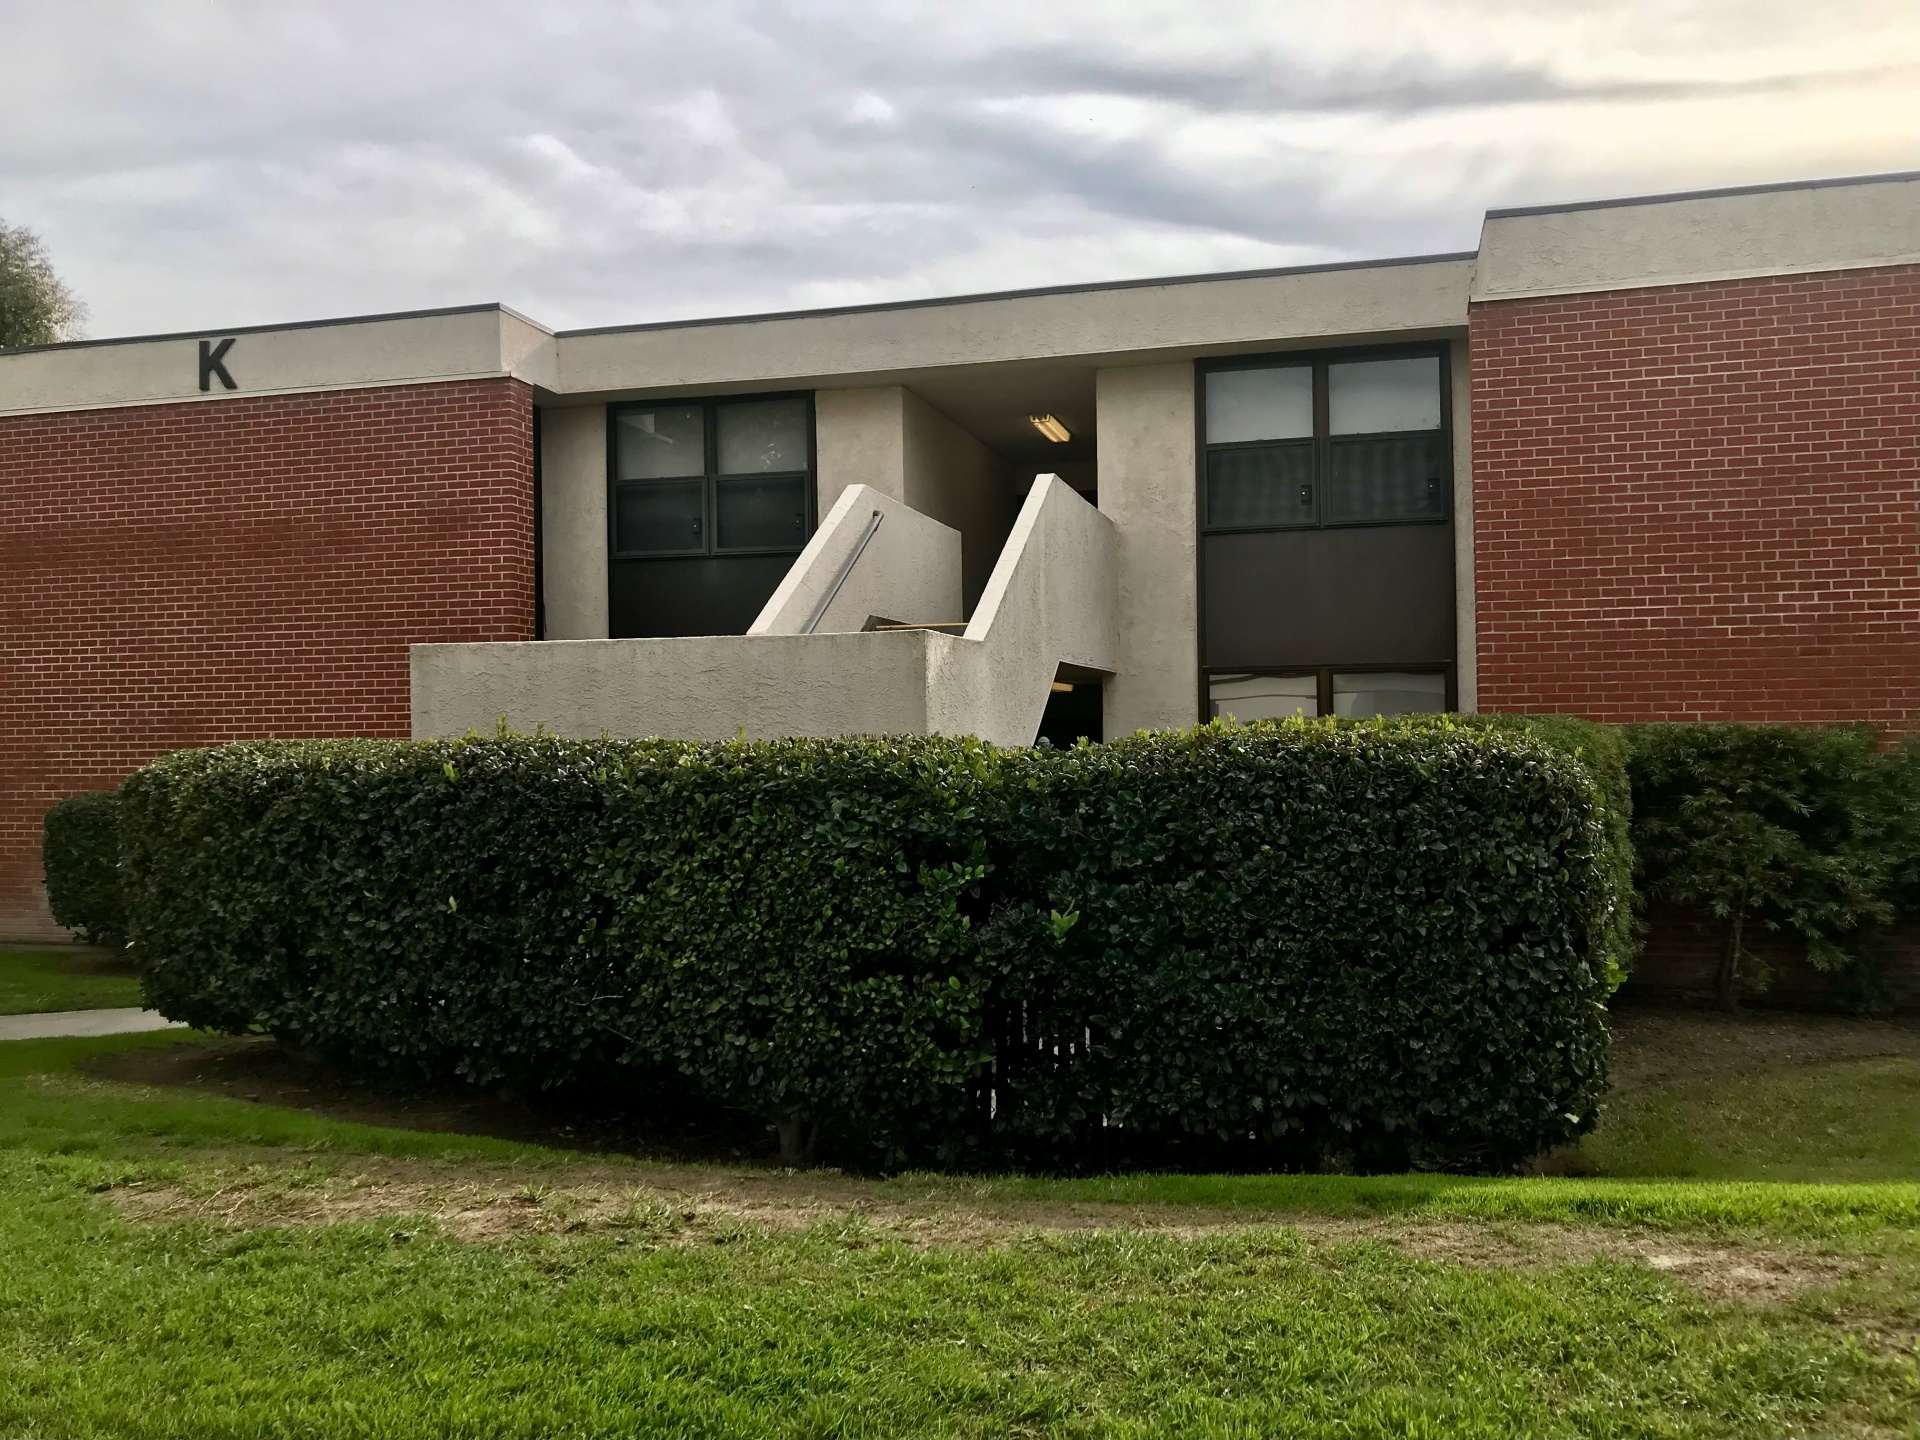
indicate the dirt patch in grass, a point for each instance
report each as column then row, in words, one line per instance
column 703, row 1207
column 1657, row 1048
column 1751, row 1276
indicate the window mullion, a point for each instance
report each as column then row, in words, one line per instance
column 1322, row 464
column 710, row 488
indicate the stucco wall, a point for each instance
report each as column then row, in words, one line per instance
column 573, row 521
column 961, row 483
column 1184, row 316
column 1049, row 602
column 887, row 437
column 1146, row 421
column 859, row 438
column 907, row 571
column 689, row 687
column 477, row 342
column 1688, row 238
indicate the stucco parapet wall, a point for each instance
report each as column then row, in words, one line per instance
column 474, row 343
column 711, row 687
column 1151, row 320
column 1691, row 239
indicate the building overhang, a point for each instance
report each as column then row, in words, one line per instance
column 1033, row 342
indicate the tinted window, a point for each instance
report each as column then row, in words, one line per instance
column 758, row 514
column 1260, row 485
column 1326, row 442
column 1386, row 479
column 762, row 436
column 1372, row 397
column 657, row 516
column 712, row 477
column 1274, row 404
column 1263, row 697
column 1389, row 693
column 656, row 443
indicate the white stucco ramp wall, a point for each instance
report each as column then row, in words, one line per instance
column 908, row 570
column 1048, row 603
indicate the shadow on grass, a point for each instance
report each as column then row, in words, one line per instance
column 110, row 1097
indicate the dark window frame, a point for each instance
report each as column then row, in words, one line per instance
column 710, row 407
column 1325, row 674
column 1323, row 440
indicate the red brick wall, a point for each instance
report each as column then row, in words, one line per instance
column 178, row 575
column 1702, row 502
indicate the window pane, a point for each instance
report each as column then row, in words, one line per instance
column 760, row 514
column 1389, row 693
column 1268, row 485
column 762, row 436
column 1259, row 405
column 1263, row 697
column 655, row 443
column 1369, row 397
column 658, row 515
column 1387, row 480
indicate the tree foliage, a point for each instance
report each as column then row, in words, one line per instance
column 1809, row 831
column 36, row 307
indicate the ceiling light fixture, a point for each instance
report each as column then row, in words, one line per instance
column 1051, row 428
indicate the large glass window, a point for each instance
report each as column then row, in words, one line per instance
column 1352, row 694
column 1388, row 692
column 1263, row 697
column 654, row 444
column 712, row 477
column 1326, row 442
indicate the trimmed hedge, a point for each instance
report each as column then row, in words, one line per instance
column 1253, row 945
column 80, row 857
column 1604, row 751
column 1247, row 943
column 778, row 925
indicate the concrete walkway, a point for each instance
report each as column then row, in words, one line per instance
column 84, row 1022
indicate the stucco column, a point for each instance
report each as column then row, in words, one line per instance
column 859, row 438
column 1146, row 430
column 573, row 521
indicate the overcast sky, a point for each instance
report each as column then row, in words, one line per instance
column 208, row 164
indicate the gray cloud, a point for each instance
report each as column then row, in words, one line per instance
column 598, row 162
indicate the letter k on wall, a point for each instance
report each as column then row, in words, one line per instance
column 213, row 362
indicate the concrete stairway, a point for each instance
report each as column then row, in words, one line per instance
column 854, row 641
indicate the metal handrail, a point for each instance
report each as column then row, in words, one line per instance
column 820, row 610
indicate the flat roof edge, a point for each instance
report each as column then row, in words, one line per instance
column 1668, row 197
column 207, row 332
column 930, row 302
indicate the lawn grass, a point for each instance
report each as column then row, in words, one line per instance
column 35, row 981
column 1189, row 1305
column 1857, row 1120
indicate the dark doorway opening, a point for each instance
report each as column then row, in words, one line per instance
column 1074, row 712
